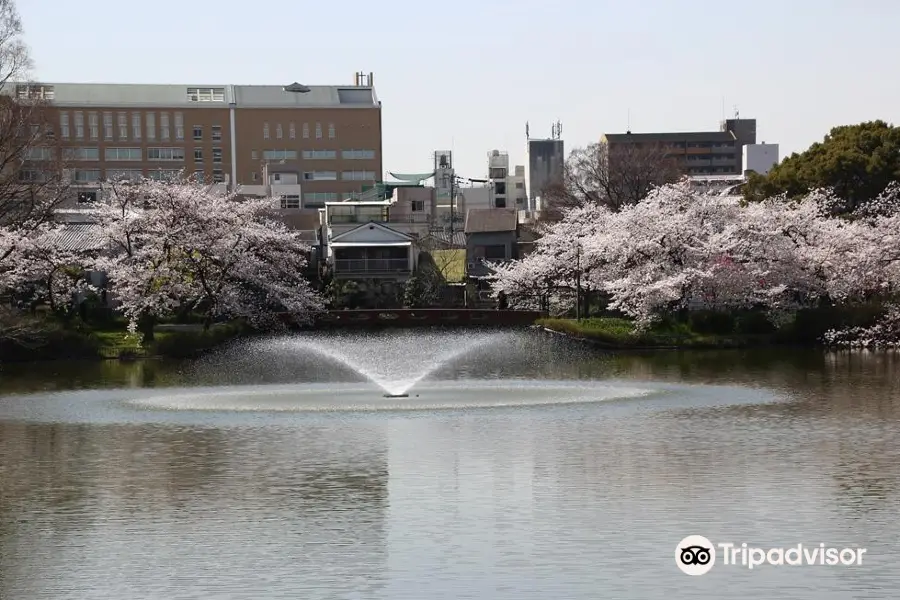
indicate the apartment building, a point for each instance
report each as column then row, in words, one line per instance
column 307, row 144
column 697, row 152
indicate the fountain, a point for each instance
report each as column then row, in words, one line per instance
column 335, row 372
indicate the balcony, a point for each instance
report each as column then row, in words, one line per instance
column 370, row 266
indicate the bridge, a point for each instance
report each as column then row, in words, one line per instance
column 429, row 317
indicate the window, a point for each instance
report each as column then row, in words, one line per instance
column 34, row 92
column 358, row 154
column 49, row 133
column 124, row 174
column 500, row 187
column 418, row 206
column 198, row 155
column 318, row 131
column 93, row 125
column 497, row 173
column 123, row 126
column 27, row 175
column 279, row 154
column 217, row 155
column 217, row 133
column 500, row 202
column 179, row 126
column 206, row 94
column 64, row 125
column 319, row 154
column 218, row 176
column 85, row 176
column 290, row 202
column 306, row 131
column 278, row 131
column 198, row 133
column 265, row 131
column 331, row 131
column 87, row 196
column 117, row 154
column 135, row 126
column 39, row 154
column 520, row 185
column 165, row 153
column 164, row 126
column 79, row 125
column 358, row 175
column 151, row 126
column 254, row 155
column 164, row 174
column 107, row 126
column 292, row 131
column 318, row 199
column 254, row 176
column 497, row 252
column 200, row 176
column 320, row 176
column 82, row 153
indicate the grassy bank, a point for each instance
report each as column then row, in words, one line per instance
column 621, row 333
column 112, row 341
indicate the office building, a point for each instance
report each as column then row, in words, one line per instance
column 697, row 152
column 545, row 164
column 307, row 144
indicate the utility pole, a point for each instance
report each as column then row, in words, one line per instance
column 452, row 194
column 578, row 282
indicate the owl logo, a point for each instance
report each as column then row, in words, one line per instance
column 695, row 555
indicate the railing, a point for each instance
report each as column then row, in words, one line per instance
column 371, row 265
column 364, row 218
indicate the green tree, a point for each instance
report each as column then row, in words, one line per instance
column 856, row 161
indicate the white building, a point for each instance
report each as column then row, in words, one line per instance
column 759, row 158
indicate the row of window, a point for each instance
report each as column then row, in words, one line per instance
column 314, row 154
column 345, row 175
column 120, row 125
column 136, row 154
column 292, row 131
column 96, row 175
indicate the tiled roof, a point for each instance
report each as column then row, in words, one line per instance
column 79, row 237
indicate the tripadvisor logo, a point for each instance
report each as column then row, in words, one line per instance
column 696, row 555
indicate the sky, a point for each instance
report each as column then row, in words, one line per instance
column 467, row 75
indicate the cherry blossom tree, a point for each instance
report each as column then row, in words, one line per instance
column 683, row 249
column 180, row 245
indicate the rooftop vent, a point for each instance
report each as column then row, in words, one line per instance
column 297, row 88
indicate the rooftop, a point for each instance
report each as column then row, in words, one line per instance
column 490, row 220
column 204, row 95
column 675, row 136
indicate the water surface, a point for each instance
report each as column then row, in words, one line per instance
column 546, row 474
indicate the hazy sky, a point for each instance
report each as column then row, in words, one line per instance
column 467, row 75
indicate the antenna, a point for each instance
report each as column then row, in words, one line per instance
column 527, row 137
column 737, row 113
column 558, row 129
column 628, row 127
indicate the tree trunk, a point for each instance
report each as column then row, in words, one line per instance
column 146, row 325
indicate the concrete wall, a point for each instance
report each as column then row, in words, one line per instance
column 760, row 158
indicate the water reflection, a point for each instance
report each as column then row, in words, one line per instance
column 575, row 502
